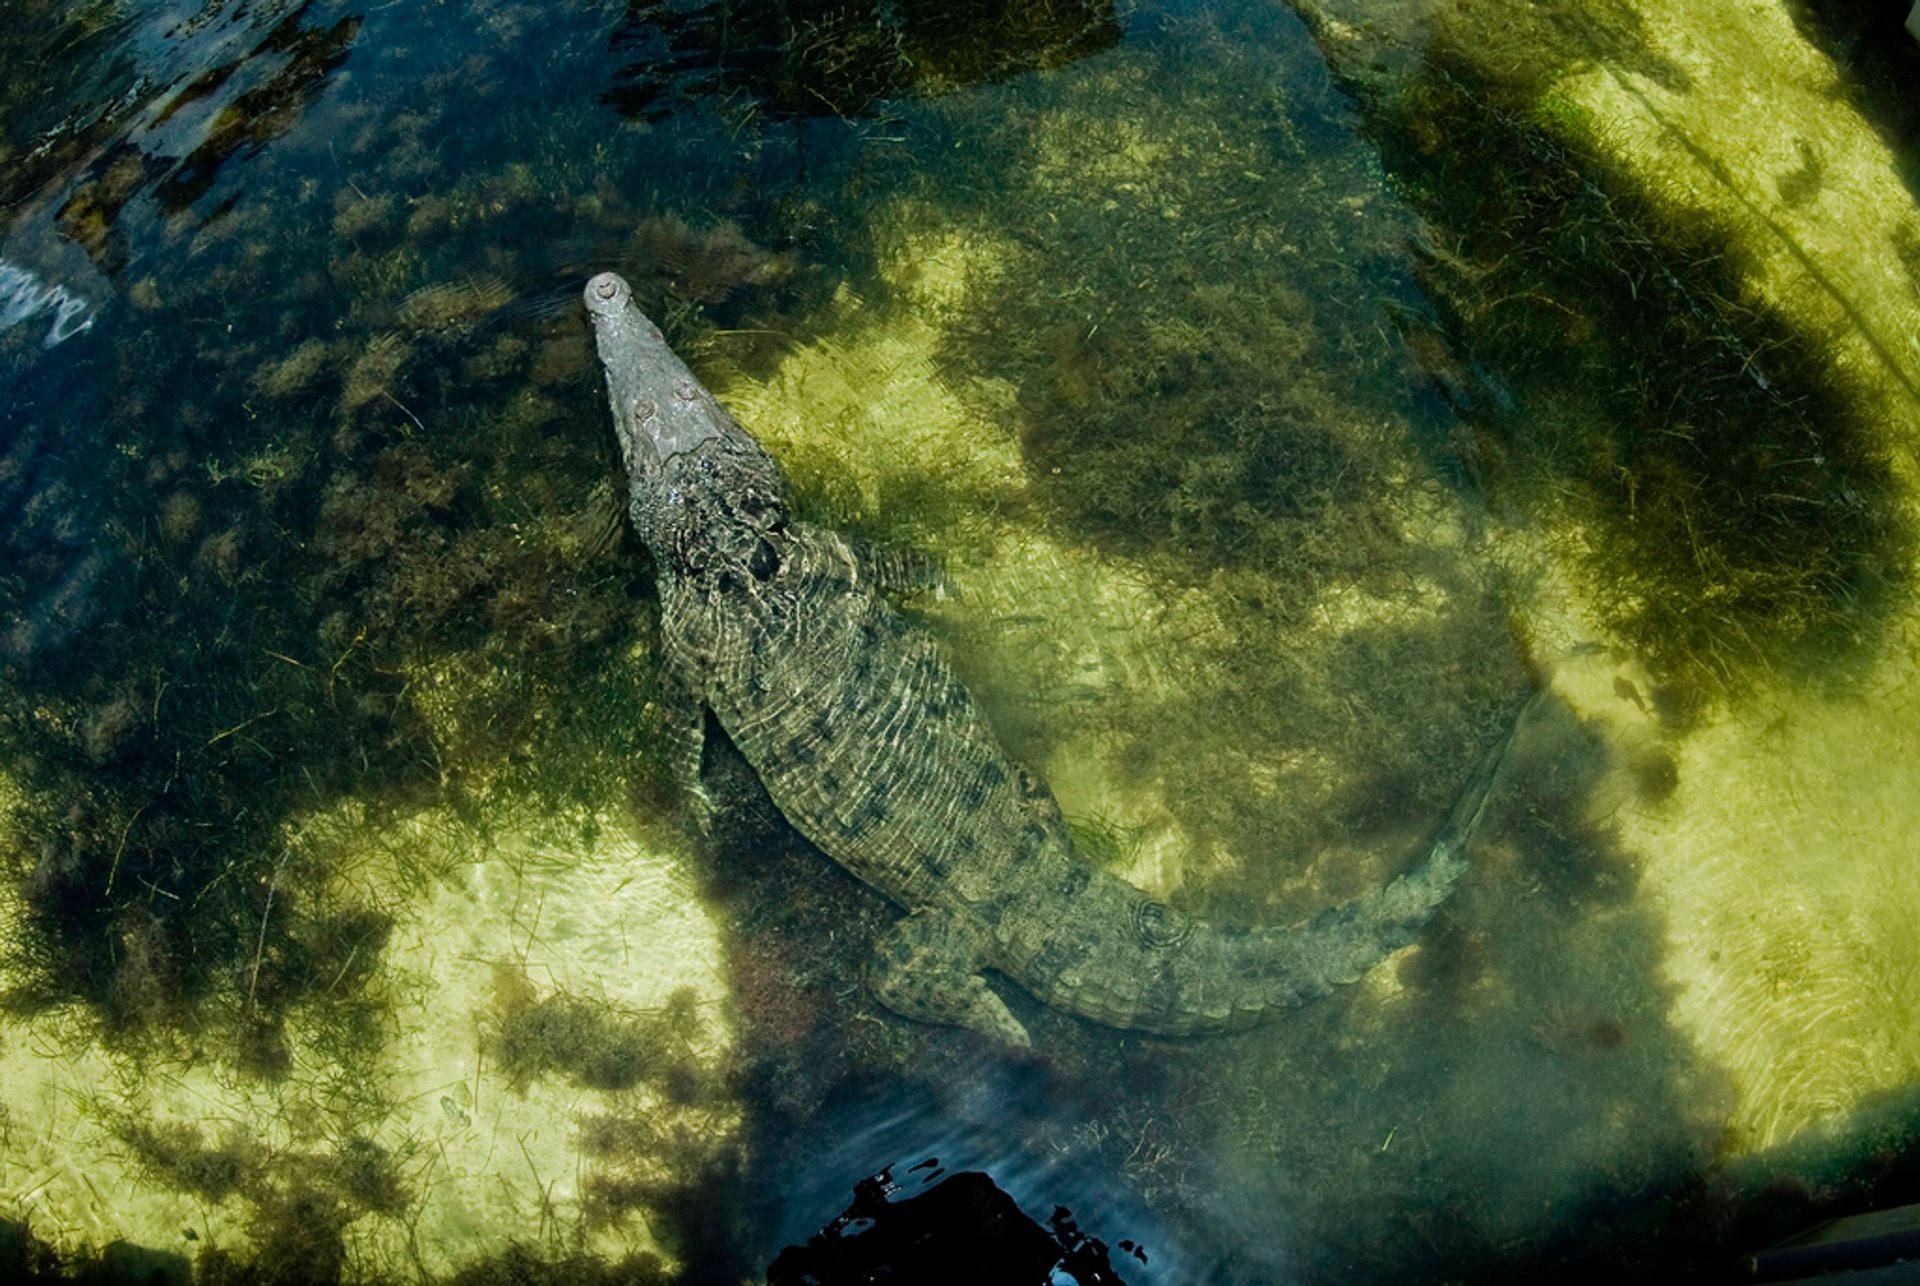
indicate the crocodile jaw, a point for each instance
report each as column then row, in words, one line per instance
column 659, row 409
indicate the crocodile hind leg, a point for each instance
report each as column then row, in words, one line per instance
column 927, row 967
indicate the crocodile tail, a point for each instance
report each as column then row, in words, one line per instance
column 1278, row 968
column 1203, row 977
column 1123, row 960
column 1283, row 967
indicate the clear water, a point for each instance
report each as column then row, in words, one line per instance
column 1286, row 393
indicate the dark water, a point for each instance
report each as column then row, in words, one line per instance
column 1196, row 376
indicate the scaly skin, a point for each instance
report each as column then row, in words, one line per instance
column 873, row 750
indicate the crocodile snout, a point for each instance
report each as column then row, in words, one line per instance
column 607, row 290
column 659, row 408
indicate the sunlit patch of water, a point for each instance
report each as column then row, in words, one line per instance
column 424, row 1130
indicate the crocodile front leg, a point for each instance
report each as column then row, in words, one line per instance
column 898, row 573
column 683, row 735
column 927, row 967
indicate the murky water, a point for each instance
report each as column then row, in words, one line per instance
column 1287, row 392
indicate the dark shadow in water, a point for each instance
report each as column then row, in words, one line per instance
column 1612, row 366
column 1523, row 1084
column 812, row 57
column 936, row 1227
column 1879, row 63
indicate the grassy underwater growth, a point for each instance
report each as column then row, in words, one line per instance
column 328, row 592
column 1705, row 200
column 1722, row 483
column 1733, row 502
column 365, row 671
column 55, row 51
column 376, row 1147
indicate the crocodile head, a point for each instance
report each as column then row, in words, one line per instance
column 701, row 489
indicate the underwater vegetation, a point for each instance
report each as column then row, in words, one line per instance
column 1739, row 506
column 811, row 58
column 30, row 1261
column 291, row 64
column 399, row 1084
column 158, row 763
column 1722, row 483
column 54, row 53
column 1760, row 210
column 289, row 524
column 261, row 582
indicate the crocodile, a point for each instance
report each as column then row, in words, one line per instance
column 781, row 633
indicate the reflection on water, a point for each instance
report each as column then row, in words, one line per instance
column 25, row 297
column 1277, row 392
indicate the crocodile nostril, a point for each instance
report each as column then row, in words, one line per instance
column 606, row 287
column 686, row 391
column 646, row 409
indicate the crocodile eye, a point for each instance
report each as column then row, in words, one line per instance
column 1159, row 925
column 763, row 562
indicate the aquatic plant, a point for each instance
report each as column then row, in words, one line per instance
column 811, row 58
column 585, row 1042
column 54, row 50
column 523, row 1265
column 1734, row 503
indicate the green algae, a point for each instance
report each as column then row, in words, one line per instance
column 366, row 1144
column 584, row 1041
column 1722, row 477
column 1735, row 495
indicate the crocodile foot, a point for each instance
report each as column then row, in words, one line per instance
column 927, row 967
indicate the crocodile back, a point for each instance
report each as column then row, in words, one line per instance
column 857, row 725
